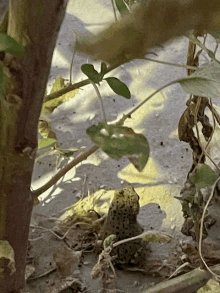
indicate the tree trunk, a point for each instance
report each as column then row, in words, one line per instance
column 35, row 25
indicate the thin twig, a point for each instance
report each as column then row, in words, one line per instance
column 77, row 85
column 171, row 64
column 63, row 171
column 113, row 6
column 201, row 230
column 100, row 99
column 74, row 51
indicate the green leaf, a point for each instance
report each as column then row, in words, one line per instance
column 122, row 8
column 121, row 141
column 203, row 176
column 91, row 73
column 9, row 45
column 209, row 70
column 205, row 81
column 46, row 143
column 2, row 85
column 215, row 34
column 200, row 86
column 103, row 69
column 118, row 87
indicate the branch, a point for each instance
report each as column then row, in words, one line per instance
column 63, row 171
column 189, row 282
column 77, row 85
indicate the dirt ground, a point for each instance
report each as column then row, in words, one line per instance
column 161, row 180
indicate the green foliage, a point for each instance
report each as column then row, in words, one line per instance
column 215, row 34
column 200, row 86
column 186, row 204
column 1, row 82
column 116, row 85
column 9, row 45
column 118, row 141
column 103, row 69
column 204, row 82
column 121, row 6
column 93, row 75
column 203, row 176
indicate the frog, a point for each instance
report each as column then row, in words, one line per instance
column 121, row 221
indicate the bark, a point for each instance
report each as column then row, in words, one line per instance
column 35, row 25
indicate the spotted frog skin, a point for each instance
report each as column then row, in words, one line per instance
column 122, row 222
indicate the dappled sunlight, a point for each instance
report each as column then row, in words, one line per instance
column 160, row 194
column 101, row 199
column 139, row 116
column 132, row 175
column 163, row 195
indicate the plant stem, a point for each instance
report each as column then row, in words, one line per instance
column 101, row 101
column 75, row 86
column 113, row 6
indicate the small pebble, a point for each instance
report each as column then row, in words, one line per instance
column 136, row 284
column 78, row 195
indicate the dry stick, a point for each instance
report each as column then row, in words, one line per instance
column 63, row 171
column 214, row 116
column 197, row 131
column 113, row 7
column 171, row 64
column 201, row 231
column 213, row 188
column 189, row 282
